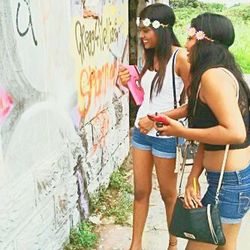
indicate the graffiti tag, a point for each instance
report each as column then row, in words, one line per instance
column 29, row 25
column 101, row 37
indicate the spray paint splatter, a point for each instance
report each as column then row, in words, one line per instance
column 6, row 104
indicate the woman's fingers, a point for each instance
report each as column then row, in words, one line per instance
column 189, row 201
column 124, row 75
column 192, row 201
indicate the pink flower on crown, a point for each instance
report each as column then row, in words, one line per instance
column 191, row 31
column 200, row 35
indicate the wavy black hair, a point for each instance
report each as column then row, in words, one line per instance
column 165, row 39
column 206, row 54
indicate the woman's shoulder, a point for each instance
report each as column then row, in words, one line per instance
column 217, row 79
column 181, row 54
column 181, row 58
column 217, row 75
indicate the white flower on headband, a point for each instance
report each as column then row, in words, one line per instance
column 199, row 35
column 138, row 21
column 156, row 24
column 147, row 22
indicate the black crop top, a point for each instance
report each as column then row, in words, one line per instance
column 204, row 118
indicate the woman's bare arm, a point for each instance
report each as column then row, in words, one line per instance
column 218, row 91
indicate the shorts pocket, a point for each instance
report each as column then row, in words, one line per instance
column 244, row 202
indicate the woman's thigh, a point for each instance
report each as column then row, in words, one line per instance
column 195, row 245
column 142, row 167
column 231, row 232
column 166, row 177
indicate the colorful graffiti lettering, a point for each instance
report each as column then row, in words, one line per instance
column 94, row 84
column 6, row 104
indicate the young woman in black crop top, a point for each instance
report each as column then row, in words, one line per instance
column 218, row 112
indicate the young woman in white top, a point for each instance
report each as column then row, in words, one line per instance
column 155, row 25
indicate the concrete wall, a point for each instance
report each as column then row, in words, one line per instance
column 63, row 119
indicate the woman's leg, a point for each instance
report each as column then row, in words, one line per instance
column 167, row 181
column 231, row 232
column 195, row 245
column 142, row 166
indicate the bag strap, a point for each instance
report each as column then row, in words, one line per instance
column 173, row 78
column 221, row 174
column 174, row 86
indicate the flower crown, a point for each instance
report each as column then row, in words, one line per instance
column 199, row 35
column 147, row 22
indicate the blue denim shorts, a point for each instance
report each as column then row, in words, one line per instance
column 234, row 198
column 160, row 147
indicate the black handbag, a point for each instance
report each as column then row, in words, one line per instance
column 200, row 224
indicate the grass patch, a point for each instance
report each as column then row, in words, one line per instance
column 83, row 237
column 115, row 201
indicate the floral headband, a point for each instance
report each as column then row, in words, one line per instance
column 199, row 35
column 147, row 22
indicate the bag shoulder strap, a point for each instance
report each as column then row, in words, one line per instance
column 221, row 174
column 173, row 82
column 173, row 78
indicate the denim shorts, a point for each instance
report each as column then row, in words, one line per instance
column 160, row 147
column 234, row 197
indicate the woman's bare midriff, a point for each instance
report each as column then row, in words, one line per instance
column 237, row 159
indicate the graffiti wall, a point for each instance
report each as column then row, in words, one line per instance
column 101, row 44
column 63, row 115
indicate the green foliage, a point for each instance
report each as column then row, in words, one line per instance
column 239, row 15
column 241, row 48
column 115, row 201
column 118, row 181
column 120, row 209
column 185, row 3
column 83, row 237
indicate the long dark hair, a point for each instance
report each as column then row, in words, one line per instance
column 206, row 54
column 166, row 38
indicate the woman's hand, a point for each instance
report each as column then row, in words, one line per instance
column 124, row 75
column 192, row 197
column 145, row 125
column 174, row 128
